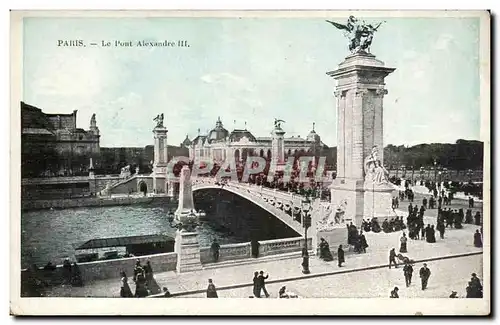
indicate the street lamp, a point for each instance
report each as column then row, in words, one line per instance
column 306, row 223
column 435, row 171
column 189, row 222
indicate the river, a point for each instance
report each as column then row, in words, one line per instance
column 52, row 235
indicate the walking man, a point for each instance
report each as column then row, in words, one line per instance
column 262, row 283
column 392, row 258
column 408, row 272
column 425, row 274
column 340, row 255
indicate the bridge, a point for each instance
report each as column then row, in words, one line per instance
column 288, row 207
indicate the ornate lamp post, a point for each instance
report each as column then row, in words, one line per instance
column 435, row 171
column 412, row 173
column 188, row 222
column 306, row 223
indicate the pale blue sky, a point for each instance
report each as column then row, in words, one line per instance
column 250, row 69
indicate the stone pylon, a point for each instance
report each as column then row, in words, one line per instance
column 187, row 245
column 360, row 92
column 160, row 158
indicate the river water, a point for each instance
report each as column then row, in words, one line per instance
column 52, row 235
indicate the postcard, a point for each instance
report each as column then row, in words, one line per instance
column 283, row 162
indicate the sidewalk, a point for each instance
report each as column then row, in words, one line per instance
column 457, row 241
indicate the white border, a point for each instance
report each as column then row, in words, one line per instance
column 235, row 306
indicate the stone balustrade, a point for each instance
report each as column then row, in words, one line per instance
column 227, row 252
column 109, row 269
column 54, row 180
column 282, row 246
column 244, row 250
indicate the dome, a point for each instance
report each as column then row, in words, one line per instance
column 313, row 136
column 237, row 135
column 186, row 142
column 218, row 133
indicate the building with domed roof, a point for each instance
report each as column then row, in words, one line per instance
column 220, row 144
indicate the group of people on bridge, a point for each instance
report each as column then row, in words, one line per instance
column 143, row 279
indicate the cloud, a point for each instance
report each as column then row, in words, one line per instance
column 228, row 80
column 443, row 42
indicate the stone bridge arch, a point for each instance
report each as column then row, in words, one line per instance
column 258, row 201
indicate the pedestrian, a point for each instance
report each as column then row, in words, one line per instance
column 324, row 251
column 364, row 243
column 166, row 293
column 76, row 276
column 125, row 291
column 148, row 271
column 477, row 287
column 137, row 269
column 392, row 258
column 255, row 248
column 404, row 240
column 425, row 274
column 432, row 235
column 256, row 286
column 394, row 293
column 477, row 239
column 477, row 219
column 140, row 285
column 262, row 283
column 211, row 291
column 340, row 256
column 408, row 272
column 215, row 248
column 469, row 291
column 441, row 228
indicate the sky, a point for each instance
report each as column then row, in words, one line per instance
column 249, row 70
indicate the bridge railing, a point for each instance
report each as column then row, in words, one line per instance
column 244, row 250
column 286, row 206
column 227, row 252
column 282, row 246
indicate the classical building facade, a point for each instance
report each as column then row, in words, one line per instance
column 220, row 145
column 53, row 144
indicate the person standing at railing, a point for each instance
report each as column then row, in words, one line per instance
column 255, row 248
column 215, row 248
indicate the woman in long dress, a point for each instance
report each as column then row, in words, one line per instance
column 404, row 240
column 211, row 291
column 324, row 251
column 125, row 291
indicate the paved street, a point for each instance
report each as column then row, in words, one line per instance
column 378, row 283
column 456, row 241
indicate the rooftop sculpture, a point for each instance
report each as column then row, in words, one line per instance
column 359, row 34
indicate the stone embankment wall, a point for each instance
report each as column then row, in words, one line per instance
column 92, row 202
column 108, row 269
